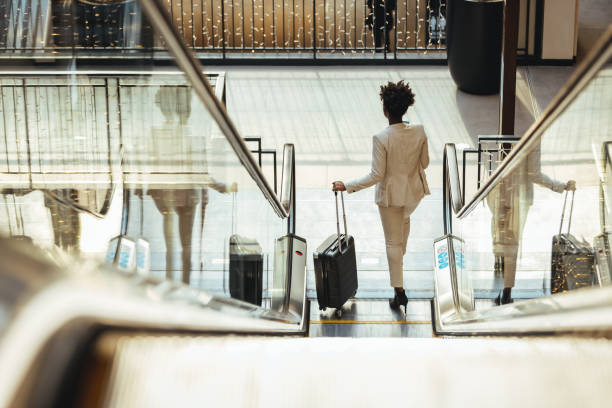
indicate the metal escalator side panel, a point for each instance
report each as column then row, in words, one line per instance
column 444, row 293
column 453, row 292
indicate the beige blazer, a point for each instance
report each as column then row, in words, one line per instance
column 399, row 157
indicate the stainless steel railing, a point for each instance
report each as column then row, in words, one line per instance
column 452, row 198
column 288, row 186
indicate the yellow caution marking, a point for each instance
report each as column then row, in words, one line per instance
column 370, row 321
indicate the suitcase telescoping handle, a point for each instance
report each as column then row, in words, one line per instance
column 338, row 218
column 569, row 221
column 343, row 213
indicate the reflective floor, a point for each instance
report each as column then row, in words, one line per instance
column 372, row 318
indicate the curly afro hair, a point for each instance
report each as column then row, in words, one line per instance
column 397, row 98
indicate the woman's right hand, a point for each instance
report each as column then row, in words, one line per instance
column 338, row 186
column 571, row 185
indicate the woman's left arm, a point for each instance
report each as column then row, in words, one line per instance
column 377, row 174
column 424, row 157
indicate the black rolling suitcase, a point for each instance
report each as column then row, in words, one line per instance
column 573, row 261
column 336, row 267
column 245, row 269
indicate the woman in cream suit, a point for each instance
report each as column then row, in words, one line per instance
column 399, row 158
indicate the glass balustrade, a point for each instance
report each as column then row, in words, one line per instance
column 532, row 232
column 129, row 165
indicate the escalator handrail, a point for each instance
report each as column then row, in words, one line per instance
column 452, row 198
column 185, row 60
column 288, row 185
column 581, row 77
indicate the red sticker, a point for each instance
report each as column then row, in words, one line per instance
column 299, row 253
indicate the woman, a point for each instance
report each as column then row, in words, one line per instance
column 399, row 157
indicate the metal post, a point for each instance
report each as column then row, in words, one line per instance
column 507, row 93
column 314, row 30
column 223, row 26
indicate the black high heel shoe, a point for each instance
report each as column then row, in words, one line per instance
column 400, row 299
column 504, row 297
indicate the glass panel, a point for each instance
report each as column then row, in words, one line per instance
column 519, row 238
column 122, row 162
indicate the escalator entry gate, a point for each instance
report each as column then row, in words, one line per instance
column 122, row 253
column 452, row 283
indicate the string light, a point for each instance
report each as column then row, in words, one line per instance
column 237, row 25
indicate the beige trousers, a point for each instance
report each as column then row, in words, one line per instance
column 396, row 225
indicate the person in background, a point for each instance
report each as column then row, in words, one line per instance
column 399, row 157
column 380, row 20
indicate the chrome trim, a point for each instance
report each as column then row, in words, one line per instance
column 287, row 192
column 286, row 178
column 583, row 310
column 598, row 56
column 193, row 71
column 445, row 288
column 451, row 186
column 219, row 86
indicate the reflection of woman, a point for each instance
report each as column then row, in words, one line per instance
column 399, row 157
column 65, row 220
column 174, row 144
column 183, row 203
column 510, row 202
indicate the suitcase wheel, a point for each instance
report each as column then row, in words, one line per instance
column 338, row 312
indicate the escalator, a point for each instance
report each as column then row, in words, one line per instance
column 112, row 158
column 131, row 204
column 522, row 212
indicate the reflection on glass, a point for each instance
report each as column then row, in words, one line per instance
column 510, row 202
column 175, row 104
column 65, row 221
column 517, row 232
column 79, row 141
